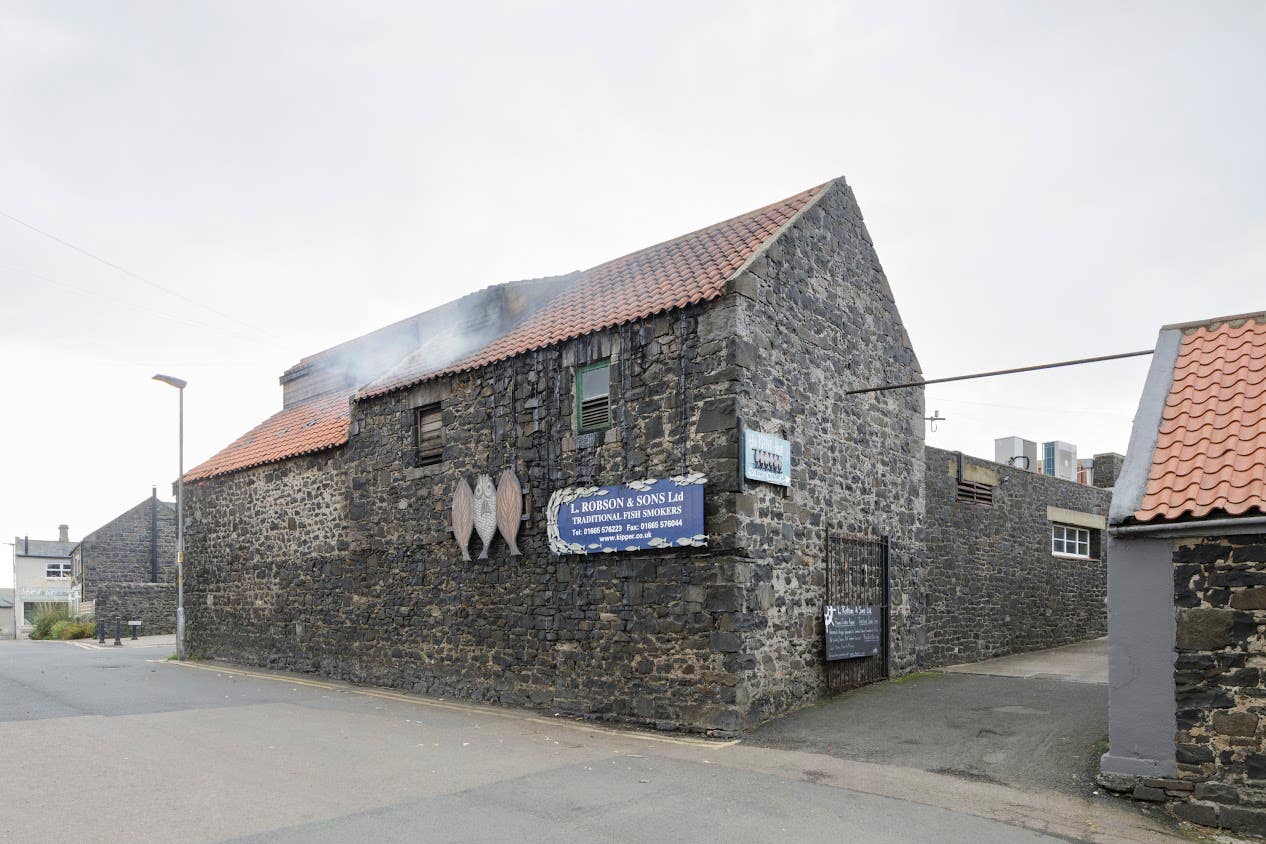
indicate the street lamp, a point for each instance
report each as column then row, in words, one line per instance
column 179, row 384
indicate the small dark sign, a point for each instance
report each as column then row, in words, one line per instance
column 853, row 632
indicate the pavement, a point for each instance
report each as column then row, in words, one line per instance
column 1032, row 721
column 194, row 751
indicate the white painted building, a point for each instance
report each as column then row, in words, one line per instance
column 41, row 576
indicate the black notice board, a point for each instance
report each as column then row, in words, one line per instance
column 853, row 631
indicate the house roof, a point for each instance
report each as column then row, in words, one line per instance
column 314, row 425
column 683, row 271
column 24, row 547
column 1209, row 458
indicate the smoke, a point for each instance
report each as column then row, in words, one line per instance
column 425, row 342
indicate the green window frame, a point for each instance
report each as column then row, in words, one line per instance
column 593, row 397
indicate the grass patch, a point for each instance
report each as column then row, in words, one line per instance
column 918, row 675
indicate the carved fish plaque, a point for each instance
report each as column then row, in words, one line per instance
column 485, row 512
column 509, row 508
column 463, row 516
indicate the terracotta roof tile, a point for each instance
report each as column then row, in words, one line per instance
column 689, row 269
column 1210, row 455
column 313, row 425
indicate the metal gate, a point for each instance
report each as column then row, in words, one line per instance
column 857, row 576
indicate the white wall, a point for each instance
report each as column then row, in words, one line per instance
column 32, row 585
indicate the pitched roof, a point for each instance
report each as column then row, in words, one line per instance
column 1210, row 453
column 688, row 269
column 24, row 547
column 679, row 272
column 304, row 428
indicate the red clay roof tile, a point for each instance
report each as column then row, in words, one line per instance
column 311, row 426
column 1210, row 456
column 688, row 269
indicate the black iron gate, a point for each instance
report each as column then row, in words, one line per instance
column 857, row 579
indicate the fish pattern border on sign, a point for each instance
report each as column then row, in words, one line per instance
column 570, row 494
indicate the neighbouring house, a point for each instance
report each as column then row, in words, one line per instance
column 41, row 576
column 1187, row 580
column 637, row 491
column 127, row 568
column 8, row 627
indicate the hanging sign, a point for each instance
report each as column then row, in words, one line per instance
column 853, row 632
column 766, row 458
column 637, row 516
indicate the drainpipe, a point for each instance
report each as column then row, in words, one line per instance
column 153, row 535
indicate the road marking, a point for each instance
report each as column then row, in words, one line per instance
column 467, row 708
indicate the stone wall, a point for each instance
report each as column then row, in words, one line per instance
column 992, row 585
column 121, row 551
column 267, row 577
column 154, row 604
column 384, row 597
column 814, row 316
column 1220, row 696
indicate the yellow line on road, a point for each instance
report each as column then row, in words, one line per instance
column 469, row 709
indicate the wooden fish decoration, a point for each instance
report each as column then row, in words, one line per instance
column 485, row 512
column 509, row 508
column 463, row 516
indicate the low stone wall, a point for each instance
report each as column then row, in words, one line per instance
column 991, row 584
column 154, row 604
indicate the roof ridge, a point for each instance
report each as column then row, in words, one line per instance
column 816, row 192
column 1217, row 322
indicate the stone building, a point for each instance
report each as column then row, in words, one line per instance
column 705, row 379
column 127, row 567
column 1015, row 560
column 1187, row 580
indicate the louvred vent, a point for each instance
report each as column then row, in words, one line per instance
column 595, row 412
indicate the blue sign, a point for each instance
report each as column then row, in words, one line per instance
column 637, row 516
column 766, row 458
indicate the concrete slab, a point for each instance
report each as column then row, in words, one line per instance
column 1082, row 662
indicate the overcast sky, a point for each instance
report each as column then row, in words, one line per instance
column 1042, row 181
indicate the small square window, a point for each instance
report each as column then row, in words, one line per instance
column 1070, row 541
column 593, row 397
column 428, row 434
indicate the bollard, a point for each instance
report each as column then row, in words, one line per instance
column 118, row 631
column 101, row 631
column 134, row 625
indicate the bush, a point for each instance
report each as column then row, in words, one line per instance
column 84, row 628
column 60, row 629
column 49, row 615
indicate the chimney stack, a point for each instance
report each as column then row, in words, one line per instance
column 63, row 533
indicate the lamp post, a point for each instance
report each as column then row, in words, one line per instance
column 179, row 384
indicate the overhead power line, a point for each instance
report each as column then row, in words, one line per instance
column 125, row 271
column 1017, row 369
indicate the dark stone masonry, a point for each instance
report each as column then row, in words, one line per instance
column 992, row 584
column 153, row 604
column 1220, row 696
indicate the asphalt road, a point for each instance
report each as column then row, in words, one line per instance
column 119, row 744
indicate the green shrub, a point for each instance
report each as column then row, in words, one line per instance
column 61, row 629
column 84, row 628
column 47, row 616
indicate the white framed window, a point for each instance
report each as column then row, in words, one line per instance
column 57, row 570
column 1070, row 541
